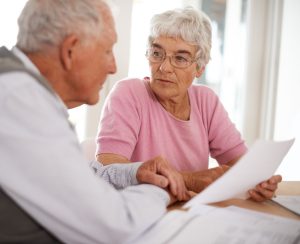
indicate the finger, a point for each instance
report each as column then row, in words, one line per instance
column 173, row 199
column 225, row 167
column 272, row 183
column 171, row 179
column 192, row 194
column 173, row 186
column 267, row 186
column 275, row 179
column 189, row 195
column 183, row 192
column 176, row 182
column 267, row 194
column 155, row 179
column 254, row 195
column 181, row 188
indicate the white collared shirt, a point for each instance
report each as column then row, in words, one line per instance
column 42, row 167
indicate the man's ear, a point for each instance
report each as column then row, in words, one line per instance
column 67, row 51
column 200, row 71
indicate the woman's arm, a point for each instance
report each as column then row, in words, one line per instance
column 109, row 158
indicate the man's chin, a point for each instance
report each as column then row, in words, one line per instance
column 93, row 101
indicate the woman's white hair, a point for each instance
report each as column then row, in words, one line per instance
column 45, row 23
column 190, row 25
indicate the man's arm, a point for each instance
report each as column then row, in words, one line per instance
column 44, row 171
column 156, row 171
column 119, row 175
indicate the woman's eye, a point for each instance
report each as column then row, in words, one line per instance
column 156, row 54
column 180, row 58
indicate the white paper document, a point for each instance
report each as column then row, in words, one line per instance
column 257, row 165
column 211, row 225
column 237, row 225
column 290, row 202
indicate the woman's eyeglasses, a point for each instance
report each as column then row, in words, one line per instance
column 178, row 60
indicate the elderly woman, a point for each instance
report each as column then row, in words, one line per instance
column 166, row 114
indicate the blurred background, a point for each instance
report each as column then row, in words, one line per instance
column 255, row 64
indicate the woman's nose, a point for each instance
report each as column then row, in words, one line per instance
column 166, row 65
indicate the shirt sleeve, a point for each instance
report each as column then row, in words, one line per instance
column 120, row 121
column 44, row 171
column 118, row 175
column 225, row 140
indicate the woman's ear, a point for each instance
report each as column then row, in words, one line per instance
column 199, row 71
column 67, row 51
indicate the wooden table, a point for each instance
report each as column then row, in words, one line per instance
column 284, row 188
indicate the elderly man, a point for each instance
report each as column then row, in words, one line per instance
column 48, row 193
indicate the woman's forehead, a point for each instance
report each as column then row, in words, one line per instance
column 173, row 44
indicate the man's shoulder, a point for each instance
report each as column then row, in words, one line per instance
column 15, row 80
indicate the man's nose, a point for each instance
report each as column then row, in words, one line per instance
column 112, row 66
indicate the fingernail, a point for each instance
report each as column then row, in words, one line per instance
column 164, row 183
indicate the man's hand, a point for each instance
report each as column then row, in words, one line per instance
column 265, row 190
column 158, row 172
column 198, row 180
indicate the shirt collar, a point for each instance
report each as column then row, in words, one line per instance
column 28, row 64
column 25, row 60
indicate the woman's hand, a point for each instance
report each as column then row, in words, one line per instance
column 198, row 180
column 265, row 190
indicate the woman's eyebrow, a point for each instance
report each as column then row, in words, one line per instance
column 156, row 45
column 183, row 51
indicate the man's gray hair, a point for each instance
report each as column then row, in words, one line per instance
column 45, row 23
column 190, row 25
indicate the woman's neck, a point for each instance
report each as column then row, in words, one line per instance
column 179, row 107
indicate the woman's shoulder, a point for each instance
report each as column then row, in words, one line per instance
column 200, row 91
column 130, row 84
column 134, row 89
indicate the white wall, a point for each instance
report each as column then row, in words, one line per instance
column 287, row 120
column 9, row 12
column 87, row 123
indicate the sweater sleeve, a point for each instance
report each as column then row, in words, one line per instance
column 118, row 175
